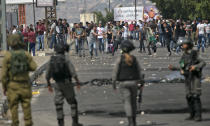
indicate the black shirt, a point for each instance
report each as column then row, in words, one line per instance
column 66, row 26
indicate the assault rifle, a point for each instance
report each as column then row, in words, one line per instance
column 140, row 92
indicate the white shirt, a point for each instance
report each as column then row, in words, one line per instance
column 100, row 31
column 53, row 27
column 14, row 31
column 125, row 33
column 201, row 28
column 208, row 28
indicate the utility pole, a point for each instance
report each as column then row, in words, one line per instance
column 50, row 15
column 135, row 10
column 34, row 14
column 109, row 6
column 3, row 25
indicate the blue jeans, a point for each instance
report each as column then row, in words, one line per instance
column 92, row 46
column 53, row 41
column 208, row 38
column 65, row 38
column 32, row 48
column 81, row 47
column 172, row 45
column 60, row 39
column 40, row 42
column 101, row 45
column 201, row 42
column 162, row 39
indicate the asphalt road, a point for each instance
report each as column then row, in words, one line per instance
column 163, row 103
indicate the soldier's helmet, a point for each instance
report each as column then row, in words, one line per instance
column 60, row 48
column 184, row 40
column 127, row 46
column 15, row 41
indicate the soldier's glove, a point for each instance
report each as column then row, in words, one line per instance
column 50, row 89
column 5, row 92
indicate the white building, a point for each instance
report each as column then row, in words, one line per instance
column 88, row 17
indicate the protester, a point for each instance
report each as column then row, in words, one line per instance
column 40, row 31
column 101, row 32
column 32, row 40
column 201, row 35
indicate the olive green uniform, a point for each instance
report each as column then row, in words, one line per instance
column 18, row 88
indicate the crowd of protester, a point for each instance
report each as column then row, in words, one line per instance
column 107, row 38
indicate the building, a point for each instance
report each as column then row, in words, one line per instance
column 88, row 17
column 3, row 44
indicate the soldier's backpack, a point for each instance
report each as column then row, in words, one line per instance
column 59, row 68
column 19, row 63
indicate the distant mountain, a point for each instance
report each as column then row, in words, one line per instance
column 71, row 9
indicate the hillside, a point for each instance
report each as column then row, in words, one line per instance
column 71, row 9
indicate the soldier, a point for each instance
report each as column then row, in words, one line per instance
column 128, row 72
column 191, row 67
column 15, row 79
column 62, row 71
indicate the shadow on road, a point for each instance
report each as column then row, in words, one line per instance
column 122, row 114
column 206, row 120
column 161, row 124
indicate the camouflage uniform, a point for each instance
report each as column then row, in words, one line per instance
column 193, row 88
column 18, row 88
column 64, row 89
column 193, row 85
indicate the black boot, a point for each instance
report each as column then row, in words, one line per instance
column 75, row 121
column 134, row 121
column 190, row 103
column 130, row 121
column 198, row 109
column 60, row 122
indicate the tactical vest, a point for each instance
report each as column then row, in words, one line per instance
column 127, row 72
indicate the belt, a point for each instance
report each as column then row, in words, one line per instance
column 20, row 81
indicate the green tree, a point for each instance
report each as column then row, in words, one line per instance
column 185, row 9
column 109, row 16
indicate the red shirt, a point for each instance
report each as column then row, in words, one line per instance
column 25, row 35
column 131, row 27
column 32, row 37
column 40, row 29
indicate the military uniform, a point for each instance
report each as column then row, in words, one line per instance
column 18, row 88
column 128, row 77
column 192, row 80
column 193, row 84
column 64, row 89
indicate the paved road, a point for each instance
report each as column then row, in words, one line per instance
column 163, row 103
